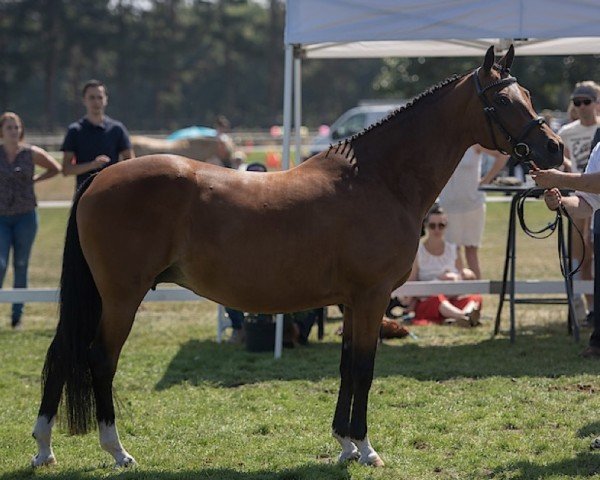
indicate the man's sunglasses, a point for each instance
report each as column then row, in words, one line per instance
column 433, row 225
column 578, row 103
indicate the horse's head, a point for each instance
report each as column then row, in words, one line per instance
column 506, row 120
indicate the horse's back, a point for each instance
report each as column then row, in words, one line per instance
column 141, row 194
column 145, row 174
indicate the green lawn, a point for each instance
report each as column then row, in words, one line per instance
column 452, row 405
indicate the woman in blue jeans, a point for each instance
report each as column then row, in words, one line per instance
column 18, row 216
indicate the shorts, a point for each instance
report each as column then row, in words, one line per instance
column 427, row 310
column 466, row 229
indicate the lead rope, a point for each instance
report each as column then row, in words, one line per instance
column 556, row 225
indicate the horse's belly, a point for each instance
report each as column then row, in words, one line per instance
column 263, row 283
column 270, row 273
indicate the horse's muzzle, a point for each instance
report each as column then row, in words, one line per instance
column 551, row 156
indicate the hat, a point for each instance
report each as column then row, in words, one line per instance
column 584, row 91
column 256, row 167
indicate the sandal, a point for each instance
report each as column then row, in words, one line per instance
column 474, row 317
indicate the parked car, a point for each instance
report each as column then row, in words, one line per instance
column 350, row 122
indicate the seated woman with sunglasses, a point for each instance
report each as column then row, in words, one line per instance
column 437, row 259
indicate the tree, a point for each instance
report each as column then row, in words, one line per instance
column 172, row 63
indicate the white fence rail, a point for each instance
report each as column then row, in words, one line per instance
column 51, row 295
column 540, row 287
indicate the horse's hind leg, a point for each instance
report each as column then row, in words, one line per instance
column 341, row 418
column 53, row 386
column 369, row 308
column 115, row 325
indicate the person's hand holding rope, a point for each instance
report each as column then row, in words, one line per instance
column 553, row 198
column 549, row 179
column 546, row 178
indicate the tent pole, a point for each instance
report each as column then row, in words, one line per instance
column 287, row 106
column 297, row 109
column 285, row 162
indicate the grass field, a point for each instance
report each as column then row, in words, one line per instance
column 452, row 405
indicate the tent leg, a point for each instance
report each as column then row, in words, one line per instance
column 297, row 110
column 278, row 335
column 285, row 165
column 287, row 106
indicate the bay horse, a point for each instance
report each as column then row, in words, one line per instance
column 341, row 228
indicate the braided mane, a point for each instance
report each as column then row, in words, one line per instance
column 412, row 103
column 345, row 146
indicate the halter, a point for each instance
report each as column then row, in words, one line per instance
column 520, row 151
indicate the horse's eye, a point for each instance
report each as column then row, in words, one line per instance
column 502, row 100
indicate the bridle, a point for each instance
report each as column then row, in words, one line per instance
column 520, row 150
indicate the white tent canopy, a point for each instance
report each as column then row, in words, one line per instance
column 425, row 28
column 441, row 28
column 428, row 28
column 452, row 47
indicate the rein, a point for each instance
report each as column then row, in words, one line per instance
column 557, row 225
column 520, row 149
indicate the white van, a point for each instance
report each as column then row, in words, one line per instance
column 350, row 122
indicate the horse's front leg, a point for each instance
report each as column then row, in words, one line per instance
column 369, row 308
column 341, row 419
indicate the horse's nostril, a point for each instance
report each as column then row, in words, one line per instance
column 553, row 146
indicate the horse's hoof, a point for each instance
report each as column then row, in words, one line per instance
column 126, row 462
column 39, row 461
column 349, row 456
column 372, row 460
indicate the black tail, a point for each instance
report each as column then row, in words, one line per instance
column 80, row 310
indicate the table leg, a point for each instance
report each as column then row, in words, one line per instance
column 507, row 260
column 567, row 267
column 322, row 313
column 513, row 264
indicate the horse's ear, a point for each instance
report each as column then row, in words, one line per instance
column 506, row 61
column 488, row 63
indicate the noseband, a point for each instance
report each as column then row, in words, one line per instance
column 520, row 150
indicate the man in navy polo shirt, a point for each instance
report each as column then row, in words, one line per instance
column 95, row 140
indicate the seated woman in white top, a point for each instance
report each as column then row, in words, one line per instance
column 437, row 259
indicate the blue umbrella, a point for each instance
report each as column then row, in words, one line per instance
column 192, row 132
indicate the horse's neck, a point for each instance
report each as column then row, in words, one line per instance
column 422, row 146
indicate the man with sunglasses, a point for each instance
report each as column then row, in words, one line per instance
column 577, row 137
